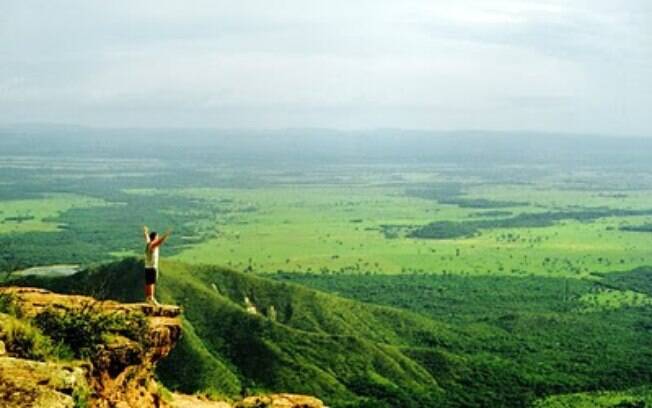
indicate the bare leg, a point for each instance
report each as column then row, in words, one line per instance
column 149, row 292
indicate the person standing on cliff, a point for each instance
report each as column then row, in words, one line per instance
column 154, row 242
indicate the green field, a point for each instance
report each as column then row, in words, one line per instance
column 338, row 229
column 40, row 214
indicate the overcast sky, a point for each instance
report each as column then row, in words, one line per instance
column 575, row 65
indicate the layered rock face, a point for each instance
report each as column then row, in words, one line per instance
column 120, row 373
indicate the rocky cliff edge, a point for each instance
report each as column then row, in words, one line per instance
column 115, row 371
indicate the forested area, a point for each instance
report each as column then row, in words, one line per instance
column 546, row 331
column 459, row 229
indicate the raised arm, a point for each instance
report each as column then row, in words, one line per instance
column 160, row 240
column 146, row 232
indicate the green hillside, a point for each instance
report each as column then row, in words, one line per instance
column 349, row 353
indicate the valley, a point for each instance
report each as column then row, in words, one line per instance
column 434, row 275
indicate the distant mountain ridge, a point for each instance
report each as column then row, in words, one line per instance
column 246, row 146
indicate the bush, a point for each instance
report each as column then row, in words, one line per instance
column 25, row 341
column 87, row 329
column 9, row 305
column 82, row 396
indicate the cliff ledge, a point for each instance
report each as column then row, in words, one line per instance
column 70, row 351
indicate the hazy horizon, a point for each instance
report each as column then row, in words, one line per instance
column 41, row 127
column 502, row 65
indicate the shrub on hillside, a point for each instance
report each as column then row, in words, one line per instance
column 9, row 305
column 85, row 330
column 23, row 340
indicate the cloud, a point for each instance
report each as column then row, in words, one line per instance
column 581, row 66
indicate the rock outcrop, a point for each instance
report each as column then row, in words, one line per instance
column 120, row 373
column 280, row 401
column 267, row 401
column 27, row 383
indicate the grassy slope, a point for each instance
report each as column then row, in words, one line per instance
column 345, row 351
column 323, row 345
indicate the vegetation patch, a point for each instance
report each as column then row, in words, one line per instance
column 21, row 337
column 78, row 333
column 460, row 229
column 633, row 398
column 24, row 340
column 452, row 194
column 494, row 213
column 85, row 331
column 638, row 280
column 637, row 228
column 605, row 299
